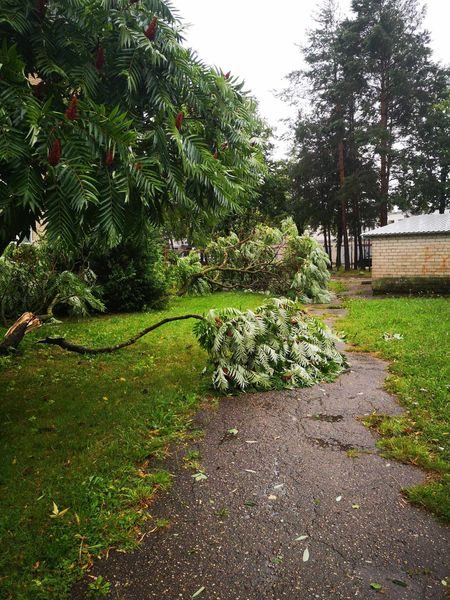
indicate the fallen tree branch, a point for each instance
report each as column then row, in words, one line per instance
column 107, row 349
column 251, row 269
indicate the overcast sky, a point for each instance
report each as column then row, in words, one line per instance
column 258, row 41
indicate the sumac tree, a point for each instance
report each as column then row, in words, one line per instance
column 105, row 115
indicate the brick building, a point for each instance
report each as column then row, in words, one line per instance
column 412, row 255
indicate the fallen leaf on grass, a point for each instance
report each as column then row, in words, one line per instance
column 198, row 592
column 306, row 555
column 56, row 513
column 389, row 337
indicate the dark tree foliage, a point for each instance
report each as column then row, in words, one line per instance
column 373, row 135
column 395, row 60
column 131, row 275
column 273, row 202
column 424, row 169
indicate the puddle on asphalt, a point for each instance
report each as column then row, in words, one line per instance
column 333, row 444
column 327, row 418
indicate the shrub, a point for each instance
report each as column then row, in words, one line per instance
column 276, row 346
column 31, row 279
column 132, row 274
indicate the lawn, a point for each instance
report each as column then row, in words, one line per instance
column 420, row 377
column 81, row 438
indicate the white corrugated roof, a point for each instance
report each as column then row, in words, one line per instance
column 419, row 224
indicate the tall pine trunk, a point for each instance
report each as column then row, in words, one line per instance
column 384, row 150
column 443, row 191
column 339, row 239
column 325, row 240
column 343, row 202
column 330, row 246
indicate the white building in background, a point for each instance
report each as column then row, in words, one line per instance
column 412, row 255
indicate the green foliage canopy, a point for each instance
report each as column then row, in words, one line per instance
column 270, row 258
column 105, row 118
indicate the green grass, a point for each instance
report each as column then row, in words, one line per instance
column 420, row 377
column 352, row 273
column 86, row 434
column 337, row 286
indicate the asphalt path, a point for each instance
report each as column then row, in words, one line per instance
column 297, row 504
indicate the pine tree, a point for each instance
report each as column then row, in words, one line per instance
column 395, row 63
column 424, row 166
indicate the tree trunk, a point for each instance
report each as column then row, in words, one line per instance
column 341, row 171
column 356, row 234
column 15, row 334
column 339, row 240
column 330, row 246
column 384, row 147
column 325, row 240
column 443, row 190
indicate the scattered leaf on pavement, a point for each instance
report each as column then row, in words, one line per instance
column 306, row 555
column 376, row 586
column 198, row 592
column 301, row 538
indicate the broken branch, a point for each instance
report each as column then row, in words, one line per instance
column 107, row 349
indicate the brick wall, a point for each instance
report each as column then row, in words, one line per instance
column 411, row 256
